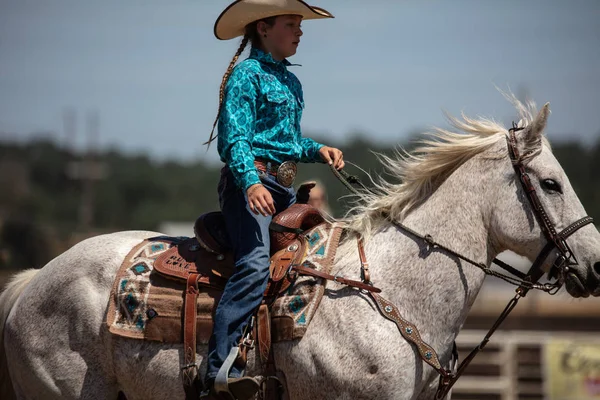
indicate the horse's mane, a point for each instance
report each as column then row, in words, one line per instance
column 421, row 171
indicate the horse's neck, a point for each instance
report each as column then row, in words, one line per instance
column 457, row 215
column 433, row 289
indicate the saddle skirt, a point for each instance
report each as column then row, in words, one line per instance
column 148, row 296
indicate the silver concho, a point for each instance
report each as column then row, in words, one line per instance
column 286, row 173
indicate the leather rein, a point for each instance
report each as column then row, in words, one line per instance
column 556, row 245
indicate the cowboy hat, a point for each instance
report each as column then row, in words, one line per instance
column 233, row 20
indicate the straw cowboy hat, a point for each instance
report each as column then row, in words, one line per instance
column 232, row 22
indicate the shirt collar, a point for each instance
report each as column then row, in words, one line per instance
column 267, row 58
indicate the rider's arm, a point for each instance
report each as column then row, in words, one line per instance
column 237, row 127
column 310, row 150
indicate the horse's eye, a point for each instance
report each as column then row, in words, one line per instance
column 551, row 185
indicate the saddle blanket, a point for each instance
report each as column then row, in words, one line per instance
column 146, row 305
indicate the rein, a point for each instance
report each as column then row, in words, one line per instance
column 524, row 282
column 519, row 277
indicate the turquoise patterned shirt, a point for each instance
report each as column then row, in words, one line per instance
column 260, row 118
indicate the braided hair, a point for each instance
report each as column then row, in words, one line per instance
column 223, row 83
column 250, row 36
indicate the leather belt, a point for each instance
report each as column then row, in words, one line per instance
column 266, row 166
column 285, row 173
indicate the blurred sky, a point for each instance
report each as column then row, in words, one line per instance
column 152, row 68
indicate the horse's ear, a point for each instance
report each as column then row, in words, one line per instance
column 539, row 123
column 534, row 133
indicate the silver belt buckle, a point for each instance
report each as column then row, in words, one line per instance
column 286, row 173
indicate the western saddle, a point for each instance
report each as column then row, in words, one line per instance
column 207, row 260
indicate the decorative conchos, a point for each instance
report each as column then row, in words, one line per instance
column 408, row 330
column 151, row 313
column 293, row 247
column 286, row 173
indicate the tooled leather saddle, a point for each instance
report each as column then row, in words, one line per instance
column 207, row 260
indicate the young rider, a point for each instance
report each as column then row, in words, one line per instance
column 260, row 141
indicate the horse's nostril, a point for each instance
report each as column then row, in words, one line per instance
column 597, row 268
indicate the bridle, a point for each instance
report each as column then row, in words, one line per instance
column 556, row 244
column 556, row 241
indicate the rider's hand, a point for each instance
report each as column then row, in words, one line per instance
column 332, row 156
column 260, row 200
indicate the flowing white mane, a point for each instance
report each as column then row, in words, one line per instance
column 421, row 171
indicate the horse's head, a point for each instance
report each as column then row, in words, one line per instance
column 518, row 224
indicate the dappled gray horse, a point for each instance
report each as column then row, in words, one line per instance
column 460, row 188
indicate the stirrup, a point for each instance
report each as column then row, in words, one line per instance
column 221, row 384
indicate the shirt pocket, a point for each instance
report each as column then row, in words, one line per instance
column 277, row 97
column 278, row 109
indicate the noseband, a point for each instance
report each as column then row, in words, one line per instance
column 556, row 245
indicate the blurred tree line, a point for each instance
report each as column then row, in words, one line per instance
column 41, row 201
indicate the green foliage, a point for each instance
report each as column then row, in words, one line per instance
column 140, row 193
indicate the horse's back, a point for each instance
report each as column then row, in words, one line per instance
column 54, row 338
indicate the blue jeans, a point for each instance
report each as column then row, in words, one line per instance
column 249, row 235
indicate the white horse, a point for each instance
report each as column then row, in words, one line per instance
column 459, row 188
